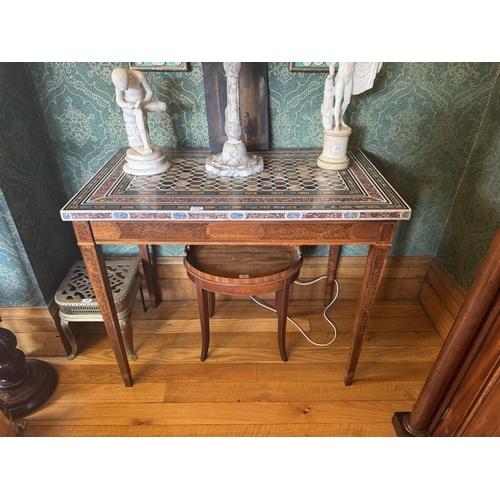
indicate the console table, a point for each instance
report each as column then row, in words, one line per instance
column 291, row 202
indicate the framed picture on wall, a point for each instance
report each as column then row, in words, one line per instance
column 310, row 66
column 253, row 104
column 159, row 66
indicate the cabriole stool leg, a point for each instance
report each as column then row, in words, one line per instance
column 128, row 337
column 71, row 338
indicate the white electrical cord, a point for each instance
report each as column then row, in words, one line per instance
column 324, row 311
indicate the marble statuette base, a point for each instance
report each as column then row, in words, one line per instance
column 148, row 164
column 334, row 155
column 234, row 161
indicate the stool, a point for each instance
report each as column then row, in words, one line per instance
column 77, row 303
column 242, row 270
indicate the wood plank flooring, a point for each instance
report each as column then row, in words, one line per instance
column 243, row 388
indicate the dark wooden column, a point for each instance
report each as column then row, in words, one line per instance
column 29, row 383
column 481, row 296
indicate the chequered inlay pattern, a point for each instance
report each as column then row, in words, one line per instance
column 188, row 175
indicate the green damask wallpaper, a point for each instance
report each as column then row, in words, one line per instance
column 15, row 268
column 431, row 128
column 475, row 216
column 36, row 248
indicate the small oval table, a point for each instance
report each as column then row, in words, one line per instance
column 242, row 270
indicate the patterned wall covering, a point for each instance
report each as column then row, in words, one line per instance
column 32, row 197
column 418, row 124
column 85, row 125
column 18, row 284
column 475, row 217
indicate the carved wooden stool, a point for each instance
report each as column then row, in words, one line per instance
column 77, row 303
column 242, row 270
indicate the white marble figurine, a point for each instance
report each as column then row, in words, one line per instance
column 352, row 78
column 135, row 97
column 234, row 160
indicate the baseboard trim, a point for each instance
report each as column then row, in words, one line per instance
column 402, row 279
column 39, row 334
column 441, row 297
column 36, row 330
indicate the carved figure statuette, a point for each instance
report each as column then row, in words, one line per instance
column 135, row 97
column 234, row 161
column 352, row 78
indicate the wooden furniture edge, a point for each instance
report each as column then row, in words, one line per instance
column 474, row 322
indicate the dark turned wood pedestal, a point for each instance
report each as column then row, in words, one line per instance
column 399, row 421
column 28, row 382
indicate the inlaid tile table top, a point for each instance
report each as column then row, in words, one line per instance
column 291, row 202
column 290, row 187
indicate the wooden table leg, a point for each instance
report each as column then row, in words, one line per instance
column 377, row 256
column 333, row 259
column 204, row 297
column 149, row 268
column 98, row 275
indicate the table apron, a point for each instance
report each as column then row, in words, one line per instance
column 244, row 232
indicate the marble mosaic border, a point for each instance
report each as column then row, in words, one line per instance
column 369, row 196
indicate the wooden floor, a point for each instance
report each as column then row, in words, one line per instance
column 243, row 388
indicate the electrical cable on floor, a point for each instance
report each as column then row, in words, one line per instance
column 324, row 311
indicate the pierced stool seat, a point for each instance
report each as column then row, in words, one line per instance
column 77, row 302
column 242, row 270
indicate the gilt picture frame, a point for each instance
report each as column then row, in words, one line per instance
column 159, row 66
column 310, row 66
